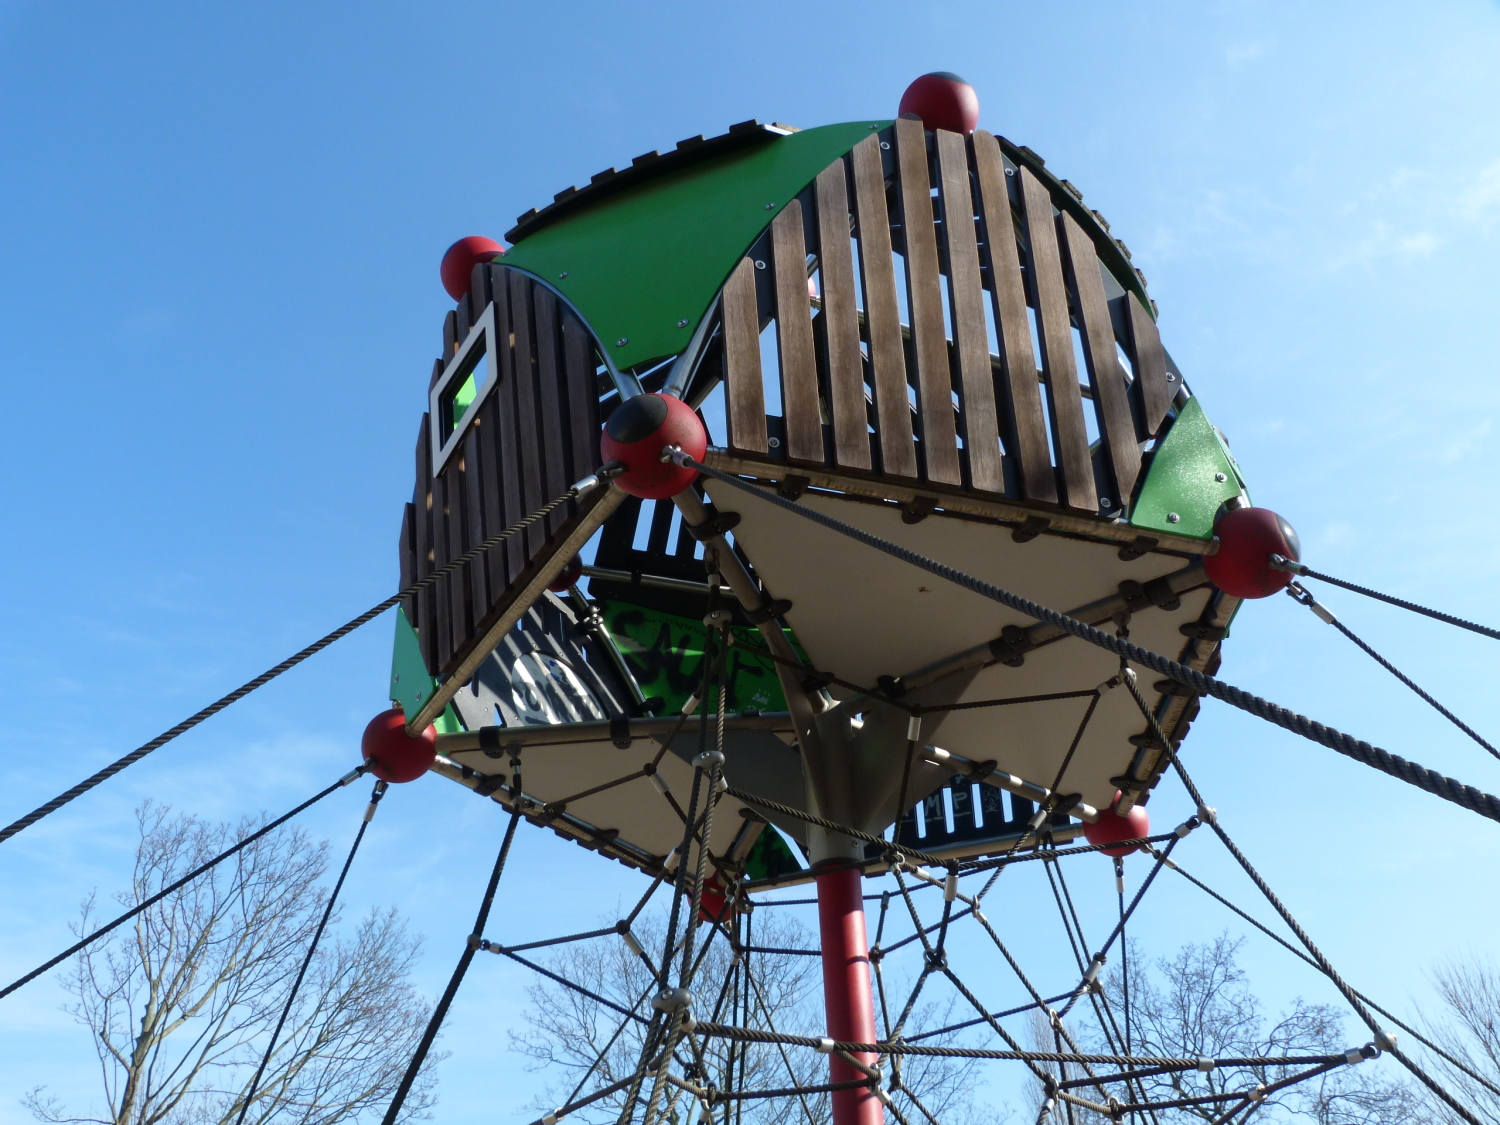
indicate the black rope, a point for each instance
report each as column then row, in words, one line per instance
column 312, row 948
column 1393, row 670
column 471, row 946
column 178, row 885
column 1436, row 615
column 1448, row 788
column 1324, row 965
column 270, row 674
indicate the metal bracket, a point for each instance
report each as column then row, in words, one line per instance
column 1030, row 529
column 776, row 607
column 1011, row 646
column 619, row 732
column 1202, row 631
column 792, row 487
column 1139, row 546
column 716, row 524
column 918, row 508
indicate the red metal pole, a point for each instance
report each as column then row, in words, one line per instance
column 846, row 990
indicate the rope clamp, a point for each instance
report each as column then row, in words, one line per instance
column 708, row 759
column 825, row 1046
column 1208, row 814
column 1281, row 562
column 1385, row 1040
column 1206, row 1064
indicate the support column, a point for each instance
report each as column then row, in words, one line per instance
column 847, row 996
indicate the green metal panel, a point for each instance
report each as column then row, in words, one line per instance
column 1184, row 478
column 664, row 653
column 642, row 266
column 411, row 685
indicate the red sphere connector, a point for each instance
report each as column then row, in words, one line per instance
column 1111, row 828
column 393, row 754
column 943, row 101
column 461, row 258
column 1248, row 537
column 637, row 433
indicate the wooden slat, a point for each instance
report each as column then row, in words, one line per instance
column 528, row 427
column 451, row 338
column 971, row 338
column 460, row 618
column 425, row 620
column 507, row 440
column 1155, row 393
column 924, row 290
column 1106, row 378
column 477, row 529
column 492, row 488
column 744, row 393
column 549, row 377
column 1026, row 416
column 898, row 455
column 583, row 398
column 442, row 608
column 794, row 338
column 1050, row 298
column 408, row 558
column 464, row 314
column 840, row 317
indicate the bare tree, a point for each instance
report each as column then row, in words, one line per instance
column 590, row 1045
column 1470, row 992
column 181, row 1005
column 1198, row 1004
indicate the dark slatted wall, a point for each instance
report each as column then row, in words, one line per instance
column 536, row 432
column 937, row 264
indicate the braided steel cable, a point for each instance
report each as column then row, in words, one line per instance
column 1413, row 773
column 178, row 884
column 1437, row 615
column 286, row 665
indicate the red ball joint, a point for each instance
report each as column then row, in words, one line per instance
column 1111, row 828
column 638, row 431
column 461, row 258
column 943, row 101
column 569, row 576
column 393, row 754
column 1248, row 537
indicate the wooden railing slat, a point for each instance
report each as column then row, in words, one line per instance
column 549, row 379
column 971, row 341
column 1155, row 393
column 1054, row 333
column 1025, row 413
column 744, row 394
column 424, row 621
column 443, row 602
column 476, row 485
column 794, row 338
column 1111, row 396
column 506, row 437
column 460, row 621
column 898, row 455
column 924, row 291
column 527, row 423
column 840, row 316
column 583, row 397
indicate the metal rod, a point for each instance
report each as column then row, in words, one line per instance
column 661, row 582
column 1002, row 780
column 568, row 734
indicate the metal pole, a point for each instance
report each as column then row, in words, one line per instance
column 847, row 998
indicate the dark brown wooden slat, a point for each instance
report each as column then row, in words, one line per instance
column 506, row 438
column 437, row 373
column 425, row 621
column 744, row 393
column 898, row 455
column 971, row 338
column 464, row 321
column 549, row 375
column 442, row 610
column 476, row 530
column 528, row 428
column 794, row 338
column 460, row 616
column 1150, row 361
column 493, row 490
column 1106, row 378
column 840, row 317
column 583, row 397
column 451, row 338
column 924, row 290
column 1054, row 331
column 1026, row 415
column 408, row 549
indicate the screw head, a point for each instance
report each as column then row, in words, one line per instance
column 1010, row 171
column 1220, row 477
column 759, row 264
column 774, row 443
column 885, row 144
column 1105, row 502
column 682, row 323
column 621, row 342
column 1173, row 517
column 770, row 206
column 1171, row 378
column 562, row 275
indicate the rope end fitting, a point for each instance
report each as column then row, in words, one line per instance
column 1281, row 562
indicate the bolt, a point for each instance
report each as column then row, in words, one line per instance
column 1104, row 502
column 1010, row 171
column 885, row 144
column 759, row 264
column 621, row 342
column 770, row 206
column 1171, row 378
column 682, row 323
column 562, row 275
column 1173, row 517
column 774, row 443
column 1220, row 477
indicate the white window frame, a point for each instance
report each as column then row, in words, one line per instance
column 483, row 339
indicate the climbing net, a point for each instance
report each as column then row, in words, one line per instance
column 695, row 1032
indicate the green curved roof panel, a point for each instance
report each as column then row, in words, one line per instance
column 643, row 265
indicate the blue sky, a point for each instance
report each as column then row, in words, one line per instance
column 219, row 305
